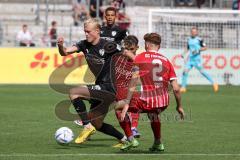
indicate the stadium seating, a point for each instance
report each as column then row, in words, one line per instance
column 14, row 13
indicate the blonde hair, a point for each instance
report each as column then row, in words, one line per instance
column 93, row 21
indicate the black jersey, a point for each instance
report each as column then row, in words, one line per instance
column 113, row 33
column 98, row 61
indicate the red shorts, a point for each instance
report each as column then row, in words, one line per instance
column 138, row 105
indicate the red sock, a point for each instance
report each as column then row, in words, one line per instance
column 134, row 117
column 156, row 127
column 126, row 124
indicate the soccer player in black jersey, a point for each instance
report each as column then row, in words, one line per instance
column 110, row 31
column 100, row 95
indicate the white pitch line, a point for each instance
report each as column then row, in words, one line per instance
column 112, row 154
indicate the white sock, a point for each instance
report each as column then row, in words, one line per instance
column 124, row 139
column 88, row 125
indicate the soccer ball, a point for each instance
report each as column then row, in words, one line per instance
column 64, row 135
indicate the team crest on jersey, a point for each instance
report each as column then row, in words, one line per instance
column 114, row 33
column 96, row 87
column 119, row 47
column 101, row 52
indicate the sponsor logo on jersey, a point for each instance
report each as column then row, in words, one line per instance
column 119, row 47
column 96, row 87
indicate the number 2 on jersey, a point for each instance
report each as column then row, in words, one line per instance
column 157, row 69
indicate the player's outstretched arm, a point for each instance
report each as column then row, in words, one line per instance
column 177, row 95
column 133, row 84
column 63, row 50
column 203, row 48
column 124, row 112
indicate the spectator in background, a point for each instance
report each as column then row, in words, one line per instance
column 236, row 5
column 200, row 3
column 118, row 4
column 53, row 34
column 182, row 2
column 24, row 37
column 80, row 12
column 123, row 20
column 93, row 8
column 213, row 2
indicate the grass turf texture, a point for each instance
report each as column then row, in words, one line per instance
column 210, row 131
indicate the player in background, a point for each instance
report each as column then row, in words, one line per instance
column 110, row 31
column 155, row 72
column 102, row 93
column 195, row 46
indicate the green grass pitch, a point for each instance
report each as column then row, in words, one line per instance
column 211, row 129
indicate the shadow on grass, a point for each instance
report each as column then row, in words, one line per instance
column 138, row 151
column 102, row 140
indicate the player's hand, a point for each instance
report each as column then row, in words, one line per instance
column 182, row 56
column 60, row 41
column 124, row 112
column 120, row 104
column 181, row 112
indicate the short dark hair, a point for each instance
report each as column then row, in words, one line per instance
column 153, row 38
column 131, row 40
column 194, row 27
column 111, row 9
column 54, row 22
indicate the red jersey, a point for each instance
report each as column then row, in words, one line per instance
column 123, row 75
column 155, row 71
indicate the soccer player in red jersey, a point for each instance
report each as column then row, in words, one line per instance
column 155, row 72
column 123, row 72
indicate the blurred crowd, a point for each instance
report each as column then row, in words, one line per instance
column 81, row 10
column 199, row 3
column 84, row 9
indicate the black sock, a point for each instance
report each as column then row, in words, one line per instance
column 81, row 110
column 110, row 130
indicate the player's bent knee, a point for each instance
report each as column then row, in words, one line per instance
column 77, row 93
column 73, row 96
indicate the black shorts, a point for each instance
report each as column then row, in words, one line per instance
column 109, row 87
column 101, row 97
